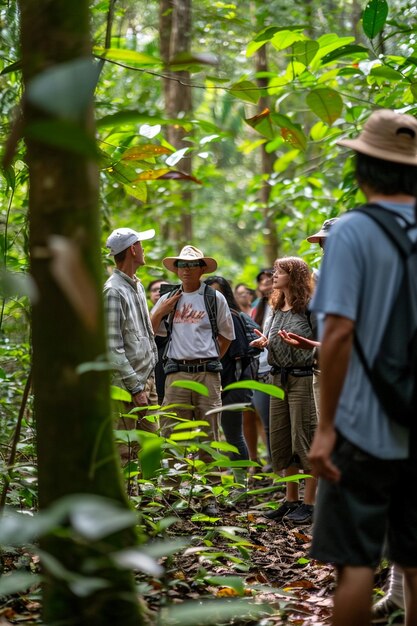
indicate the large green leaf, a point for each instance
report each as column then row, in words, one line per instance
column 150, row 456
column 270, row 390
column 345, row 51
column 385, row 72
column 144, row 151
column 266, row 35
column 193, row 386
column 246, row 90
column 17, row 582
column 305, row 51
column 374, row 17
column 326, row 103
column 65, row 90
column 129, row 118
column 127, row 56
column 117, row 393
column 286, row 38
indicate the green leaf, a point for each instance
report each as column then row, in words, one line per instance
column 138, row 190
column 216, row 612
column 234, row 582
column 223, row 446
column 14, row 67
column 117, row 393
column 291, row 133
column 189, row 60
column 190, row 424
column 185, row 436
column 305, row 51
column 127, row 56
column 150, row 456
column 388, row 73
column 286, row 38
column 326, row 104
column 10, row 176
column 262, row 124
column 65, row 90
column 193, row 386
column 345, row 51
column 129, row 118
column 271, row 390
column 65, row 135
column 247, row 91
column 144, row 151
column 374, row 17
column 17, row 582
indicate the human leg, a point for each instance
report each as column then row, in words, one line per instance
column 410, row 595
column 353, row 596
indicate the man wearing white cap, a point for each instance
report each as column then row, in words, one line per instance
column 131, row 341
column 365, row 459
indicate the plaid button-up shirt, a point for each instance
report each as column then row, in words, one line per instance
column 131, row 342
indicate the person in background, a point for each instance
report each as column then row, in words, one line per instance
column 236, row 366
column 244, row 296
column 131, row 344
column 161, row 342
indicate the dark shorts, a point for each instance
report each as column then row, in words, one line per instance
column 374, row 501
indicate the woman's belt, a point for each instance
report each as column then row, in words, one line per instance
column 301, row 370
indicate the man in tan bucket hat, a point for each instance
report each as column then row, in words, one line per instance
column 363, row 458
column 200, row 328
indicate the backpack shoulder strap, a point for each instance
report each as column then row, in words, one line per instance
column 387, row 221
column 210, row 301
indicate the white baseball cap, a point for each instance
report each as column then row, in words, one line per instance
column 122, row 238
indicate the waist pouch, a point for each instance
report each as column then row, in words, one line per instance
column 306, row 370
column 171, row 366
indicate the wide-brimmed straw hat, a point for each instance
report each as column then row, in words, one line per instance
column 387, row 135
column 190, row 253
column 324, row 230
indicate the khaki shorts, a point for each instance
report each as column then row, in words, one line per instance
column 292, row 423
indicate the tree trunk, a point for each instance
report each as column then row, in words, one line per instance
column 271, row 242
column 175, row 38
column 76, row 451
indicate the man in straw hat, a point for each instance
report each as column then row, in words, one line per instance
column 198, row 338
column 131, row 341
column 361, row 456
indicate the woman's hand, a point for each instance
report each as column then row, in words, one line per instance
column 298, row 341
column 262, row 342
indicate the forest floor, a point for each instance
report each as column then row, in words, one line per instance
column 239, row 556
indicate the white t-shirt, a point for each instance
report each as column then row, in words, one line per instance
column 192, row 336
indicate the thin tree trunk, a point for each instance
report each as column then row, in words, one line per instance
column 175, row 38
column 271, row 241
column 76, row 452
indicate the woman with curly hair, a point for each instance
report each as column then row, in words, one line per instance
column 292, row 419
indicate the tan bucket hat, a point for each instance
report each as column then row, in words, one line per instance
column 190, row 253
column 324, row 230
column 387, row 135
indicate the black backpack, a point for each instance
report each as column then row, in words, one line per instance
column 249, row 325
column 393, row 374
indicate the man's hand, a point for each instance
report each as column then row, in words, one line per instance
column 320, row 455
column 164, row 308
column 140, row 399
column 262, row 342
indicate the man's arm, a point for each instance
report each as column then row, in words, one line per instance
column 223, row 345
column 335, row 353
column 162, row 308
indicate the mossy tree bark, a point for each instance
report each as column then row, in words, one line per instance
column 76, row 451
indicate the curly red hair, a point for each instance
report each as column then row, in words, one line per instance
column 300, row 284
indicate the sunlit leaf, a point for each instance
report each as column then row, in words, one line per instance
column 174, row 158
column 137, row 190
column 212, row 612
column 127, row 56
column 234, row 582
column 286, row 38
column 117, row 393
column 193, row 386
column 190, row 424
column 246, row 90
column 326, row 103
column 374, row 17
column 149, row 131
column 150, row 456
column 129, row 118
column 271, row 390
column 146, row 151
column 186, row 60
column 262, row 123
column 305, row 51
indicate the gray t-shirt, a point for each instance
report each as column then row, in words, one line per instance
column 359, row 278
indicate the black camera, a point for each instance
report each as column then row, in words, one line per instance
column 167, row 288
